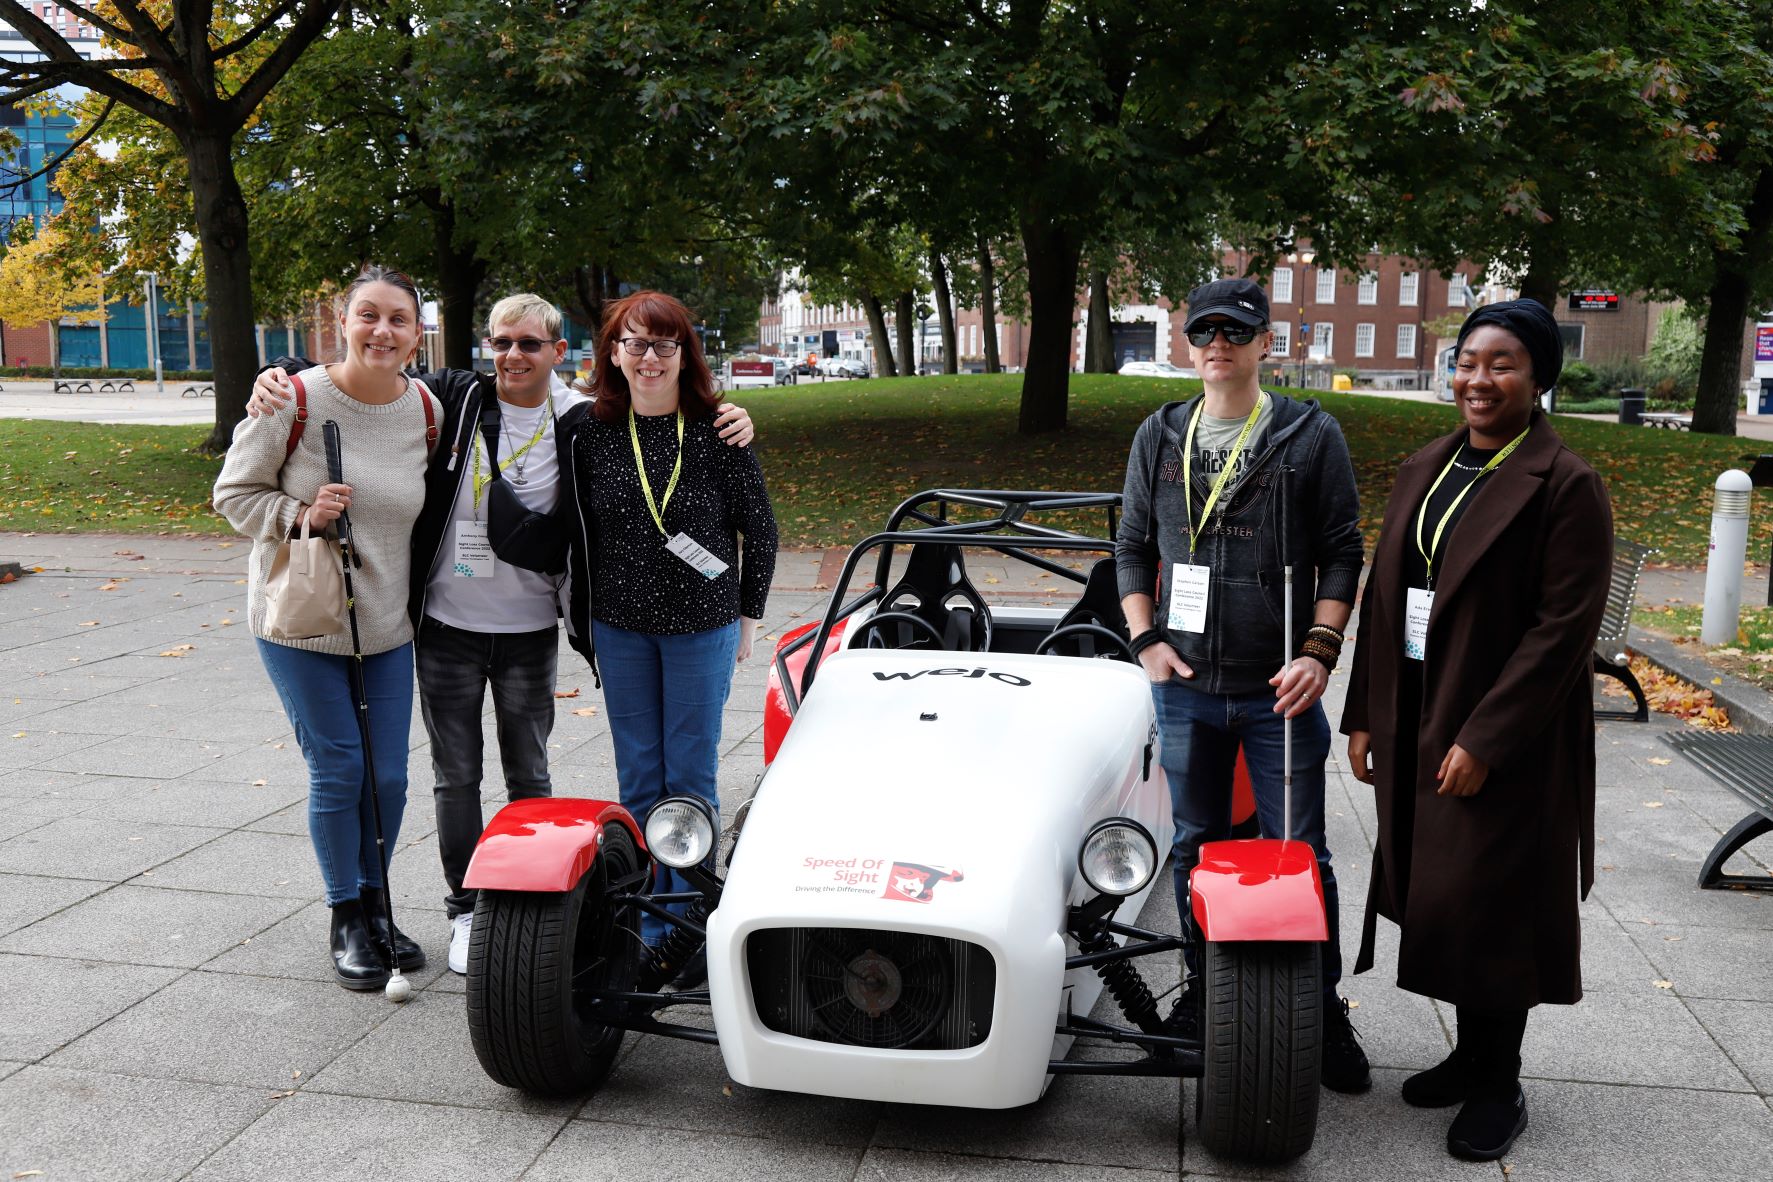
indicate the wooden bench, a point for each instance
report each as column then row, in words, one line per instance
column 1744, row 765
column 1669, row 420
column 1610, row 657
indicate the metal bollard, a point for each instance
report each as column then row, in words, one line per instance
column 1723, row 563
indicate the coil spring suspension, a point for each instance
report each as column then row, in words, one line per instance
column 679, row 944
column 1125, row 984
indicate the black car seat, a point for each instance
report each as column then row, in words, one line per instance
column 1100, row 605
column 935, row 588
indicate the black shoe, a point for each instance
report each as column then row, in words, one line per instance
column 1487, row 1126
column 406, row 949
column 356, row 961
column 1447, row 1083
column 1345, row 1064
column 693, row 975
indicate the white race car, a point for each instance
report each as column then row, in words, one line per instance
column 938, row 875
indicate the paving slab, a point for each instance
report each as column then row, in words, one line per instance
column 674, row 1084
column 246, row 863
column 1745, row 1030
column 224, row 1029
column 1628, row 1038
column 49, row 1002
column 95, row 1125
column 322, row 1138
column 141, row 755
column 1709, row 962
column 422, row 1052
column 144, row 925
column 98, row 848
column 1586, row 1133
column 27, row 898
column 208, row 804
column 588, row 1151
column 296, row 949
column 898, row 1165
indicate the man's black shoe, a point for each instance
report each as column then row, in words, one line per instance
column 1345, row 1064
column 1487, row 1126
column 1447, row 1083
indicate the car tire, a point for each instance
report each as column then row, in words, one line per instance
column 1261, row 1050
column 529, row 1029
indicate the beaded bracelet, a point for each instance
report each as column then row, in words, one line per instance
column 1145, row 640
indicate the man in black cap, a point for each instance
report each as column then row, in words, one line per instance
column 1198, row 558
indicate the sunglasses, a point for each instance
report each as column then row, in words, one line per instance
column 523, row 344
column 637, row 347
column 1235, row 334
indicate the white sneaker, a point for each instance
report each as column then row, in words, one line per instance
column 458, row 942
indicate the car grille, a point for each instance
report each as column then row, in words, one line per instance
column 870, row 987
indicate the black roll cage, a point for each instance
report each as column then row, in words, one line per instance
column 1008, row 531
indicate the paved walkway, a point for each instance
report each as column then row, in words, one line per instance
column 168, row 1013
column 145, row 406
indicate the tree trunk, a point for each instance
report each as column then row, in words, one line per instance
column 877, row 329
column 1720, row 364
column 1548, row 260
column 905, row 312
column 1053, row 252
column 459, row 274
column 1099, row 342
column 988, row 306
column 944, row 312
column 220, row 213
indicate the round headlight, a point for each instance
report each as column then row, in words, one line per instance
column 1118, row 857
column 680, row 832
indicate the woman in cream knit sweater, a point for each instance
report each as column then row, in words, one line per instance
column 266, row 491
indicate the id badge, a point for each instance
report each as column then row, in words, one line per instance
column 1188, row 598
column 697, row 555
column 474, row 552
column 1417, row 604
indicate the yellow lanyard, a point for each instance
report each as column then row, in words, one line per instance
column 480, row 482
column 658, row 507
column 1237, row 452
column 1422, row 511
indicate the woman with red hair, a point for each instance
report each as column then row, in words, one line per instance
column 673, row 547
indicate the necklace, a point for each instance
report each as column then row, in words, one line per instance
column 1468, row 467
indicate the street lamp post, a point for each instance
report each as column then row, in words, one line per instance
column 151, row 285
column 924, row 312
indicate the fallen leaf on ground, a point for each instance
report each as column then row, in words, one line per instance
column 585, row 711
column 1663, row 984
column 88, row 623
column 1658, row 762
column 571, row 693
column 259, row 783
column 178, row 650
column 1652, row 804
column 113, row 585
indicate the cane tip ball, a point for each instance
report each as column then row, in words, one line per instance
column 399, row 989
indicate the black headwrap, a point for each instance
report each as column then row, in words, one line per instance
column 1536, row 328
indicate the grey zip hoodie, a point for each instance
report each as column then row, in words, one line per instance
column 1240, row 649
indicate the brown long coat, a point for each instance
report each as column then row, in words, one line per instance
column 1486, row 887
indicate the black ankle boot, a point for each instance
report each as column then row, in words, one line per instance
column 1487, row 1126
column 411, row 956
column 355, row 960
column 1443, row 1085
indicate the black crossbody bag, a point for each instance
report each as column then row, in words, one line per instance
column 519, row 535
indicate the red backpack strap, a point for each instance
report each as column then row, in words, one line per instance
column 301, row 414
column 430, row 417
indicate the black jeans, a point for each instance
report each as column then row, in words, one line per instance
column 455, row 666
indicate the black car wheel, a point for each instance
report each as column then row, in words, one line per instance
column 532, row 959
column 1262, row 1047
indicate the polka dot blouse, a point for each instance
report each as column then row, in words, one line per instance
column 720, row 497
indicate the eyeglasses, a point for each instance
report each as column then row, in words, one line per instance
column 523, row 344
column 637, row 347
column 1235, row 334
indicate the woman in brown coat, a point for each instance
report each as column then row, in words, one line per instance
column 1470, row 692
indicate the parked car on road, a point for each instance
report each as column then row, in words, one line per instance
column 786, row 371
column 1155, row 369
column 844, row 367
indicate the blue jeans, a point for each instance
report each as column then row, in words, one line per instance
column 1201, row 733
column 664, row 695
column 455, row 667
column 316, row 692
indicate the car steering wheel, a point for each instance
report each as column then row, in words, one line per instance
column 865, row 636
column 1123, row 650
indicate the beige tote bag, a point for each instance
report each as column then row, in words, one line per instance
column 305, row 591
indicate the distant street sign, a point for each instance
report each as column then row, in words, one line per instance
column 924, row 311
column 1594, row 301
column 1763, row 343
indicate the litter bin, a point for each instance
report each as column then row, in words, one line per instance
column 1631, row 407
column 1342, row 382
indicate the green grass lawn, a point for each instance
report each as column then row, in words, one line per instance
column 1749, row 655
column 840, row 455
